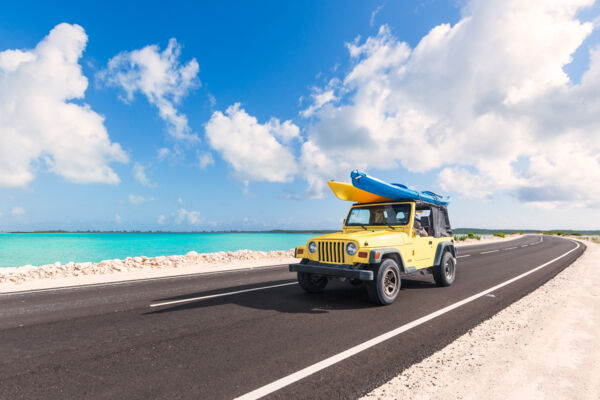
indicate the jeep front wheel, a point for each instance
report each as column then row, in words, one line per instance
column 385, row 286
column 312, row 283
column 444, row 274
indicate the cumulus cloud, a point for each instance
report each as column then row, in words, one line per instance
column 161, row 219
column 187, row 216
column 137, row 199
column 18, row 211
column 254, row 150
column 40, row 123
column 485, row 101
column 161, row 78
column 139, row 173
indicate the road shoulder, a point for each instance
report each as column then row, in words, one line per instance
column 542, row 346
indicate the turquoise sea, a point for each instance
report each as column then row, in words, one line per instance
column 18, row 249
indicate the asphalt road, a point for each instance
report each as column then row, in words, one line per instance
column 224, row 335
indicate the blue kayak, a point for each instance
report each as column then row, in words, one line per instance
column 394, row 191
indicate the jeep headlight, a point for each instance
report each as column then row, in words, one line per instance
column 351, row 249
column 312, row 247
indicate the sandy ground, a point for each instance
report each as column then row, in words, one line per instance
column 544, row 346
column 146, row 273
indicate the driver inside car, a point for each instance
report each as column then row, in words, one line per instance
column 418, row 228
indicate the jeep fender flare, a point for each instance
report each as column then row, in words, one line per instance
column 441, row 247
column 387, row 252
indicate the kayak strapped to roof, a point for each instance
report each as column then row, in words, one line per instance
column 347, row 192
column 394, row 191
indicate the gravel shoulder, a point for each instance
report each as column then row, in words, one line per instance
column 542, row 346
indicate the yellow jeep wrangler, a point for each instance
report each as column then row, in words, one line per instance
column 379, row 243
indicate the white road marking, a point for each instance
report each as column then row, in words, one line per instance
column 303, row 373
column 525, row 245
column 488, row 252
column 511, row 248
column 212, row 296
column 466, row 255
column 159, row 278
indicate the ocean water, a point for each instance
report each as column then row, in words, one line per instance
column 18, row 249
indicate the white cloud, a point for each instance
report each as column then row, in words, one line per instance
column 251, row 148
column 137, row 199
column 374, row 14
column 285, row 132
column 320, row 97
column 179, row 201
column 187, row 216
column 18, row 211
column 204, row 159
column 486, row 101
column 139, row 173
column 160, row 77
column 163, row 153
column 161, row 219
column 38, row 121
column 117, row 218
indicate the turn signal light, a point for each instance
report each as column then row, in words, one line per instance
column 362, row 254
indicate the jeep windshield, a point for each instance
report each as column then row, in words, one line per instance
column 384, row 214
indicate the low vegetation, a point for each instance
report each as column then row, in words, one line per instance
column 500, row 234
column 471, row 235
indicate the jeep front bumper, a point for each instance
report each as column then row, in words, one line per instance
column 313, row 267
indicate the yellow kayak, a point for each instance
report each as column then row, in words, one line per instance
column 345, row 191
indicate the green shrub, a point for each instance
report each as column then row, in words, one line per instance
column 471, row 235
column 500, row 234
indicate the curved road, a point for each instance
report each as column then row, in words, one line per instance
column 252, row 333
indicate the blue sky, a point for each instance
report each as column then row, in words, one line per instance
column 274, row 59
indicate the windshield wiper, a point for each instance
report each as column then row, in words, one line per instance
column 391, row 226
column 362, row 226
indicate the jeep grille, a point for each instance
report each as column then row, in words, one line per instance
column 331, row 252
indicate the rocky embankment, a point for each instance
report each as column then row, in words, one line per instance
column 71, row 269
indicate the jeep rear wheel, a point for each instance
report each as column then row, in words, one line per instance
column 444, row 274
column 385, row 286
column 312, row 283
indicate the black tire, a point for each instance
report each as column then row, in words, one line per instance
column 312, row 283
column 445, row 273
column 385, row 286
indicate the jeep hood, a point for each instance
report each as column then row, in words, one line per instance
column 376, row 238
